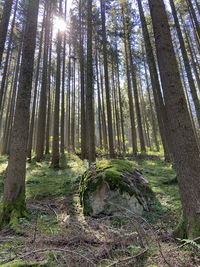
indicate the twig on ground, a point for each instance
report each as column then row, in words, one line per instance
column 49, row 206
column 128, row 258
column 50, row 249
column 150, row 227
column 185, row 243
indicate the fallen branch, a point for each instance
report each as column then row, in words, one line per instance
column 50, row 249
column 150, row 227
column 185, row 243
column 128, row 258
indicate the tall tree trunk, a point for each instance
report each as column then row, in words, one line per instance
column 194, row 17
column 135, row 90
column 82, row 73
column 130, row 96
column 90, row 86
column 105, row 141
column 4, row 25
column 62, row 132
column 73, row 108
column 153, row 119
column 69, row 100
column 107, row 86
column 160, row 108
column 55, row 147
column 47, row 145
column 32, row 121
column 184, row 145
column 14, row 188
column 186, row 63
column 99, row 102
column 6, row 137
column 43, row 93
column 2, row 89
column 120, row 106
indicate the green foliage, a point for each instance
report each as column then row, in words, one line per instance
column 189, row 241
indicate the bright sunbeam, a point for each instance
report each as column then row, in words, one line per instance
column 59, row 24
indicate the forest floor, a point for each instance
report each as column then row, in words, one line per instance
column 57, row 234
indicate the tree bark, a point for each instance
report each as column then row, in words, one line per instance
column 184, row 145
column 4, row 26
column 14, row 188
column 160, row 108
column 55, row 148
column 90, row 87
column 107, row 86
column 186, row 63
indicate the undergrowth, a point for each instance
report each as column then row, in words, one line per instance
column 57, row 234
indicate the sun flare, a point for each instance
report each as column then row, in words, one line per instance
column 59, row 24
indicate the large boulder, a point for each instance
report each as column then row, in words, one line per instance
column 113, row 185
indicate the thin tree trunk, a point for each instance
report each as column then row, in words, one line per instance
column 55, row 147
column 31, row 128
column 121, row 107
column 160, row 108
column 186, row 63
column 4, row 26
column 107, row 86
column 130, row 97
column 90, row 87
column 2, row 89
column 43, row 93
column 153, row 119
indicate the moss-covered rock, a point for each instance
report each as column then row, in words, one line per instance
column 110, row 185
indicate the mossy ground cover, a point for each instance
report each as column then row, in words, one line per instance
column 56, row 221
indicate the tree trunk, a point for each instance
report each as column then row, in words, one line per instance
column 90, row 86
column 186, row 63
column 4, row 26
column 32, row 122
column 135, row 90
column 2, row 89
column 107, row 86
column 43, row 93
column 14, row 188
column 184, row 145
column 160, row 108
column 55, row 147
column 130, row 96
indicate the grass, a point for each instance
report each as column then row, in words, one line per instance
column 56, row 219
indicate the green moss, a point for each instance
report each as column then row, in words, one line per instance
column 191, row 231
column 109, row 171
column 180, row 230
column 193, row 228
column 11, row 212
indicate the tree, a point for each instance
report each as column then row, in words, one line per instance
column 14, row 205
column 4, row 26
column 90, row 89
column 55, row 149
column 43, row 93
column 184, row 146
column 130, row 95
column 107, row 86
column 82, row 74
column 186, row 62
column 160, row 108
